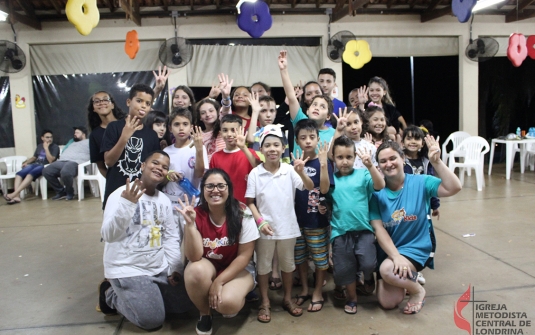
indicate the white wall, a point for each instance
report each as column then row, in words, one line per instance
column 283, row 26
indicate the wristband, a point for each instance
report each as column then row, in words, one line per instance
column 168, row 172
column 262, row 225
column 229, row 102
column 259, row 221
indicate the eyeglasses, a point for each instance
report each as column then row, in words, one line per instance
column 211, row 187
column 104, row 101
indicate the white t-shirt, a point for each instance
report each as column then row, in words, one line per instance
column 275, row 195
column 141, row 239
column 369, row 147
column 183, row 161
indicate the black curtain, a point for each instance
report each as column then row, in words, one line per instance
column 7, row 140
column 61, row 101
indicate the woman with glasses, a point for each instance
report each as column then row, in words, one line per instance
column 101, row 110
column 219, row 240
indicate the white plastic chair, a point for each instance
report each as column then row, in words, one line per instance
column 96, row 180
column 41, row 183
column 474, row 149
column 455, row 138
column 13, row 165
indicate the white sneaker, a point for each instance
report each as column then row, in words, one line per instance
column 421, row 279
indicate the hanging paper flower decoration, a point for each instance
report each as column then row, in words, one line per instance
column 462, row 9
column 254, row 18
column 131, row 46
column 83, row 14
column 530, row 45
column 357, row 53
column 517, row 50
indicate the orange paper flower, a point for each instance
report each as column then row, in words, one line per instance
column 83, row 14
column 357, row 53
column 131, row 46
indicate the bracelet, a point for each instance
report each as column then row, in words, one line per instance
column 229, row 102
column 168, row 174
column 259, row 221
column 262, row 225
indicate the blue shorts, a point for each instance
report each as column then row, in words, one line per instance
column 35, row 170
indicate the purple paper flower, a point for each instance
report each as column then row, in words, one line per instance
column 254, row 18
column 462, row 9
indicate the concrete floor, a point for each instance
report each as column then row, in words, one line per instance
column 51, row 263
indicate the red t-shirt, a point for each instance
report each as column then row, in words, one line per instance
column 237, row 166
column 215, row 241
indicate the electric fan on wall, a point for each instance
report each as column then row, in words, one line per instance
column 337, row 44
column 176, row 52
column 481, row 49
column 13, row 58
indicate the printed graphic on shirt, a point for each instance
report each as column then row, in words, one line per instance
column 191, row 162
column 398, row 216
column 213, row 245
column 130, row 165
column 146, row 228
column 417, row 169
column 310, row 171
column 313, row 200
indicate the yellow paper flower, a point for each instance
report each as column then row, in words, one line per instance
column 357, row 53
column 83, row 19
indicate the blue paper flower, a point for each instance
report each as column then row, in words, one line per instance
column 254, row 18
column 462, row 9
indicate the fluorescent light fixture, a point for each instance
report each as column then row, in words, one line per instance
column 481, row 4
column 3, row 16
column 241, row 2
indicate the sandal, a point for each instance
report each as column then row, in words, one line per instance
column 264, row 310
column 418, row 306
column 290, row 307
column 13, row 202
column 7, row 198
column 275, row 284
column 300, row 299
column 348, row 308
column 339, row 294
column 313, row 303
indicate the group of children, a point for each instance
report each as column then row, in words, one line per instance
column 317, row 208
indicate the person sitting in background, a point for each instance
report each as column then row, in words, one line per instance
column 66, row 167
column 46, row 153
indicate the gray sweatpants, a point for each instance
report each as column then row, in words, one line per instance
column 66, row 170
column 144, row 300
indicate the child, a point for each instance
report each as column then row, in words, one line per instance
column 188, row 158
column 358, row 97
column 272, row 185
column 352, row 236
column 314, row 227
column 207, row 111
column 236, row 159
column 327, row 81
column 183, row 97
column 126, row 143
column 376, row 127
column 240, row 101
column 158, row 122
column 350, row 124
column 320, row 110
column 264, row 112
column 380, row 96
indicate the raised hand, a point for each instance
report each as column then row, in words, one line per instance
column 254, row 102
column 323, row 150
column 298, row 90
column 197, row 138
column 132, row 124
column 362, row 94
column 215, row 91
column 433, row 148
column 187, row 210
column 225, row 84
column 283, row 60
column 299, row 162
column 368, row 137
column 133, row 192
column 365, row 156
column 161, row 78
column 342, row 119
column 241, row 137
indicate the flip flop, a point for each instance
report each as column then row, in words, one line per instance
column 313, row 303
column 418, row 305
column 275, row 284
column 300, row 299
column 351, row 305
column 290, row 307
column 13, row 202
column 264, row 310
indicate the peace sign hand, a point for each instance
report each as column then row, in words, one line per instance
column 187, row 210
column 133, row 192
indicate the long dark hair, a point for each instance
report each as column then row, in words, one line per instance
column 191, row 96
column 387, row 98
column 217, row 122
column 94, row 119
column 249, row 109
column 158, row 117
column 417, row 133
column 233, row 208
column 368, row 113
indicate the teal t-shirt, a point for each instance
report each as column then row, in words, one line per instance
column 350, row 197
column 326, row 135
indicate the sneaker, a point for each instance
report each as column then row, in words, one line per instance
column 69, row 197
column 421, row 279
column 60, row 195
column 204, row 325
column 102, row 306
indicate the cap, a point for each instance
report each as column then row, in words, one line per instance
column 81, row 128
column 272, row 129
